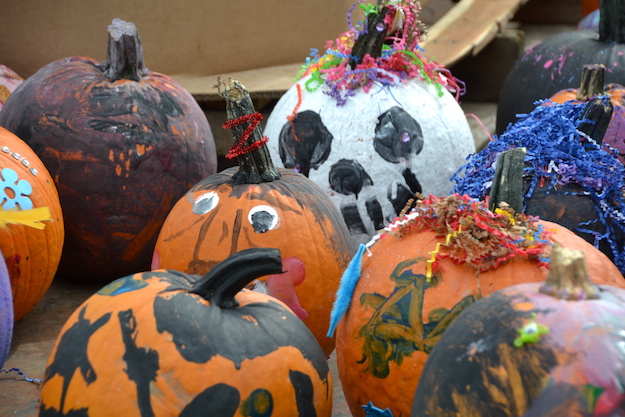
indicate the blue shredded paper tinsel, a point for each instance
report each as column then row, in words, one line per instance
column 556, row 154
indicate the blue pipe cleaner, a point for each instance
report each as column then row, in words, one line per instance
column 346, row 289
column 561, row 154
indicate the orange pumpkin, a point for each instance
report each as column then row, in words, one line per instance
column 420, row 274
column 256, row 205
column 164, row 343
column 32, row 255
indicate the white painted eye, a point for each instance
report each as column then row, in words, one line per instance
column 205, row 203
column 263, row 218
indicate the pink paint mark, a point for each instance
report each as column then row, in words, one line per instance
column 620, row 53
column 538, row 57
column 548, row 63
column 615, row 64
column 282, row 286
column 156, row 260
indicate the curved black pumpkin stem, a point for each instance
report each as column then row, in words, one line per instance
column 256, row 165
column 568, row 277
column 597, row 114
column 124, row 55
column 612, row 21
column 508, row 181
column 371, row 40
column 227, row 278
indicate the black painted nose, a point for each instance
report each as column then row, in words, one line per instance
column 305, row 142
column 397, row 135
column 348, row 177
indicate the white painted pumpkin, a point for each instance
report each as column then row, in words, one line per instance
column 372, row 121
column 375, row 151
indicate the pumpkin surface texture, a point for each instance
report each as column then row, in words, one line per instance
column 372, row 121
column 164, row 343
column 566, row 175
column 31, row 223
column 257, row 205
column 556, row 63
column 6, row 313
column 122, row 143
column 418, row 275
column 552, row 348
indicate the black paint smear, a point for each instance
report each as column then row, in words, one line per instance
column 201, row 331
column 352, row 218
column 262, row 221
column 374, row 210
column 348, row 177
column 71, row 352
column 457, row 369
column 412, row 181
column 304, row 394
column 51, row 412
column 395, row 126
column 402, row 195
column 309, row 147
column 141, row 363
column 218, row 400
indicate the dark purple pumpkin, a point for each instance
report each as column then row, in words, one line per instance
column 122, row 143
column 6, row 312
column 556, row 63
column 538, row 349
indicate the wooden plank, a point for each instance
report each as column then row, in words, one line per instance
column 467, row 28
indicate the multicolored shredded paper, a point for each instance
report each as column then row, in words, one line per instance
column 473, row 235
column 557, row 154
column 401, row 58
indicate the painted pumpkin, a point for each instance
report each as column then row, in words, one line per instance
column 165, row 343
column 9, row 81
column 532, row 349
column 564, row 177
column 592, row 86
column 257, row 205
column 31, row 223
column 556, row 63
column 418, row 275
column 122, row 143
column 6, row 313
column 372, row 121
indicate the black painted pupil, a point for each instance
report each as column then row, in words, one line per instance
column 397, row 136
column 262, row 221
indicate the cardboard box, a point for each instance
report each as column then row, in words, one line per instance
column 187, row 39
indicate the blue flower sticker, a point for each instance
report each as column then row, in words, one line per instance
column 20, row 190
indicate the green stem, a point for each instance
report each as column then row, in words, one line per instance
column 568, row 278
column 612, row 21
column 227, row 278
column 256, row 165
column 124, row 55
column 508, row 181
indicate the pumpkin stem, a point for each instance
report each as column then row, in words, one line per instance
column 371, row 39
column 592, row 82
column 508, row 181
column 124, row 55
column 255, row 165
column 227, row 278
column 568, row 277
column 612, row 21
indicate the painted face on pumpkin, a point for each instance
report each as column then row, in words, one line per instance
column 373, row 153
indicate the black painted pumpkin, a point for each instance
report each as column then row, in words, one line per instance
column 257, row 205
column 542, row 349
column 556, row 63
column 562, row 177
column 122, row 144
column 165, row 343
